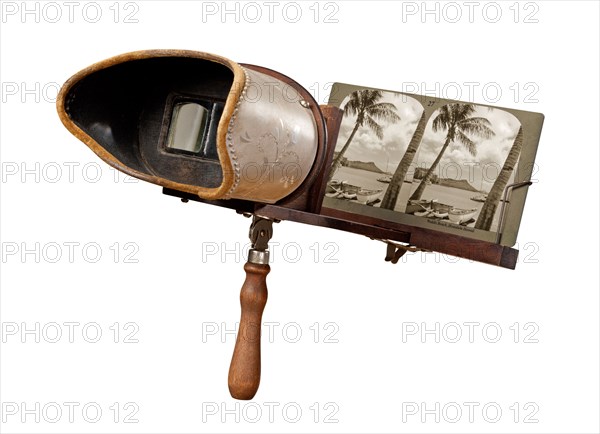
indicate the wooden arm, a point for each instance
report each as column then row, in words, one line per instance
column 244, row 371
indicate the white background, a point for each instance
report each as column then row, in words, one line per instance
column 374, row 377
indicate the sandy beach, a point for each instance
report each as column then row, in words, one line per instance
column 456, row 197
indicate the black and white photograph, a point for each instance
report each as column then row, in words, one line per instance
column 448, row 165
column 377, row 139
column 467, row 159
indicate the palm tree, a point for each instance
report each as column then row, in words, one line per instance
column 456, row 119
column 391, row 195
column 365, row 105
column 488, row 210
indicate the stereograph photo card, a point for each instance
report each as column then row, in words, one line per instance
column 451, row 166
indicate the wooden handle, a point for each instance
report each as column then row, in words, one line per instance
column 244, row 372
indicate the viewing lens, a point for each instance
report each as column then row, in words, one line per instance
column 188, row 127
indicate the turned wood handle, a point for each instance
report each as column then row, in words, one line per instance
column 244, row 372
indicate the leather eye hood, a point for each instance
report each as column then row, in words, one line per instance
column 261, row 140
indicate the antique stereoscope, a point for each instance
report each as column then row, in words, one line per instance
column 418, row 173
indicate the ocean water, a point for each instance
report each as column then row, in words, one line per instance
column 447, row 195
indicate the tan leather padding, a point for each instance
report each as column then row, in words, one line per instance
column 230, row 104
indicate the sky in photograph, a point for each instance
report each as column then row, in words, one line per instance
column 388, row 152
column 457, row 163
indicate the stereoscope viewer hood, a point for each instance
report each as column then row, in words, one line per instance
column 238, row 136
